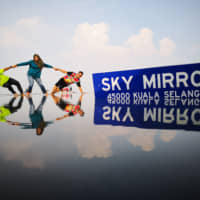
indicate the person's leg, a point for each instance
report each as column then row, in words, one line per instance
column 9, row 87
column 32, row 107
column 62, row 104
column 11, row 105
column 55, row 89
column 40, row 107
column 39, row 82
column 59, row 86
column 31, row 83
column 17, row 84
column 55, row 98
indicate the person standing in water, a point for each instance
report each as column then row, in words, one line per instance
column 7, row 82
column 34, row 73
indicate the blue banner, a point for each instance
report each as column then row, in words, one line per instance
column 159, row 98
column 179, row 81
column 150, row 114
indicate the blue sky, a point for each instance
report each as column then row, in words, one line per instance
column 100, row 34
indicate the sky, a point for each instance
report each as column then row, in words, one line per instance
column 98, row 35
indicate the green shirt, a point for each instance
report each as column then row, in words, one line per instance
column 3, row 78
column 4, row 112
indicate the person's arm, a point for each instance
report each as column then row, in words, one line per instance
column 79, row 87
column 61, row 70
column 7, row 68
column 40, row 107
column 60, row 118
column 22, row 64
column 13, row 123
column 48, row 66
column 55, row 99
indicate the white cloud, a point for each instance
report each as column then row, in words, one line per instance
column 168, row 136
column 142, row 44
column 167, row 46
column 91, row 36
column 22, row 150
column 28, row 22
column 91, row 47
column 21, row 34
column 10, row 38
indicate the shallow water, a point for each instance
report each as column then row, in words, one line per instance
column 86, row 157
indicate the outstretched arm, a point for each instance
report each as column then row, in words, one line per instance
column 7, row 68
column 22, row 64
column 61, row 70
column 48, row 66
column 13, row 123
column 60, row 118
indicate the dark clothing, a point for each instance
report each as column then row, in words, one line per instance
column 68, row 80
column 35, row 115
column 61, row 84
column 13, row 108
column 11, row 82
column 9, row 108
column 62, row 104
column 65, row 105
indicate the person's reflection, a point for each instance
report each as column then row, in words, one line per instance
column 9, row 109
column 71, row 109
column 36, row 117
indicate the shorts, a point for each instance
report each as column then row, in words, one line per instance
column 61, row 84
column 61, row 104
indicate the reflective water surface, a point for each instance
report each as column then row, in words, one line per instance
column 73, row 147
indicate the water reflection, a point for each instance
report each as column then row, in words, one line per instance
column 98, row 144
column 9, row 109
column 36, row 117
column 150, row 114
column 91, row 140
column 68, row 107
